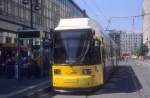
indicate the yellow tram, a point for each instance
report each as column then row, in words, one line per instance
column 83, row 56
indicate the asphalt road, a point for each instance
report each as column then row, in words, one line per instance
column 132, row 80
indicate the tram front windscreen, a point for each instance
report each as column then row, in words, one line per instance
column 71, row 47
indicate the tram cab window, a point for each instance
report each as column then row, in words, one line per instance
column 76, row 48
column 71, row 47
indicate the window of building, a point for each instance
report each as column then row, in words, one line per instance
column 8, row 40
column 1, row 6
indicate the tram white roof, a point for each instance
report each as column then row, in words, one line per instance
column 74, row 23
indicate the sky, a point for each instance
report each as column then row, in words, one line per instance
column 102, row 10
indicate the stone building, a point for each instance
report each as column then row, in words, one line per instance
column 31, row 14
column 146, row 22
column 126, row 42
column 43, row 15
column 129, row 41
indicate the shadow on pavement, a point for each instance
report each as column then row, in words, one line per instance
column 8, row 86
column 123, row 81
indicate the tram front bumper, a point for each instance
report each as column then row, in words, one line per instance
column 73, row 82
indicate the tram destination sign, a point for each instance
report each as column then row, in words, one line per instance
column 29, row 34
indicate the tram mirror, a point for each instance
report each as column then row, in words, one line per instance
column 52, row 32
column 93, row 32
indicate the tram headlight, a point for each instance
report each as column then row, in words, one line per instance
column 86, row 71
column 57, row 71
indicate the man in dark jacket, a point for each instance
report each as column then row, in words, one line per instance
column 10, row 63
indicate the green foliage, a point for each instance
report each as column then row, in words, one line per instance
column 141, row 51
column 144, row 50
column 136, row 52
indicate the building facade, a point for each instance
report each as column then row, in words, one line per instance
column 15, row 15
column 31, row 14
column 129, row 41
column 146, row 23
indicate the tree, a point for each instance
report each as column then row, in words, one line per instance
column 144, row 50
column 141, row 51
column 136, row 51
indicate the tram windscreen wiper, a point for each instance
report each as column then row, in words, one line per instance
column 73, row 46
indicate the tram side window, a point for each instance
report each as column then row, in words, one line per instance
column 94, row 55
column 97, row 54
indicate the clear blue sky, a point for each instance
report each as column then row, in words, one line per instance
column 102, row 9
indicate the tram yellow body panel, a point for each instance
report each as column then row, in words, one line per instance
column 81, row 41
column 72, row 76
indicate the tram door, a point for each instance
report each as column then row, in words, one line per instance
column 37, row 51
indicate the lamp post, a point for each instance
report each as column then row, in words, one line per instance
column 17, row 67
column 33, row 6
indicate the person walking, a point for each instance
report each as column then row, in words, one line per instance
column 10, row 67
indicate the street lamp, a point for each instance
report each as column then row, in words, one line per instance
column 25, row 1
column 36, row 7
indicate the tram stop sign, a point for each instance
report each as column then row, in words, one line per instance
column 30, row 34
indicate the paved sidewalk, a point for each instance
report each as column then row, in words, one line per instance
column 11, row 88
column 144, row 62
column 142, row 70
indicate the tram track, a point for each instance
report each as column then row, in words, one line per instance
column 86, row 96
column 69, row 96
column 52, row 94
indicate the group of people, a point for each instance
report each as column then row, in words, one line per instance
column 28, row 66
column 8, row 66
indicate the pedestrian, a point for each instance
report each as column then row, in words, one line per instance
column 10, row 67
column 27, row 68
column 35, row 69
